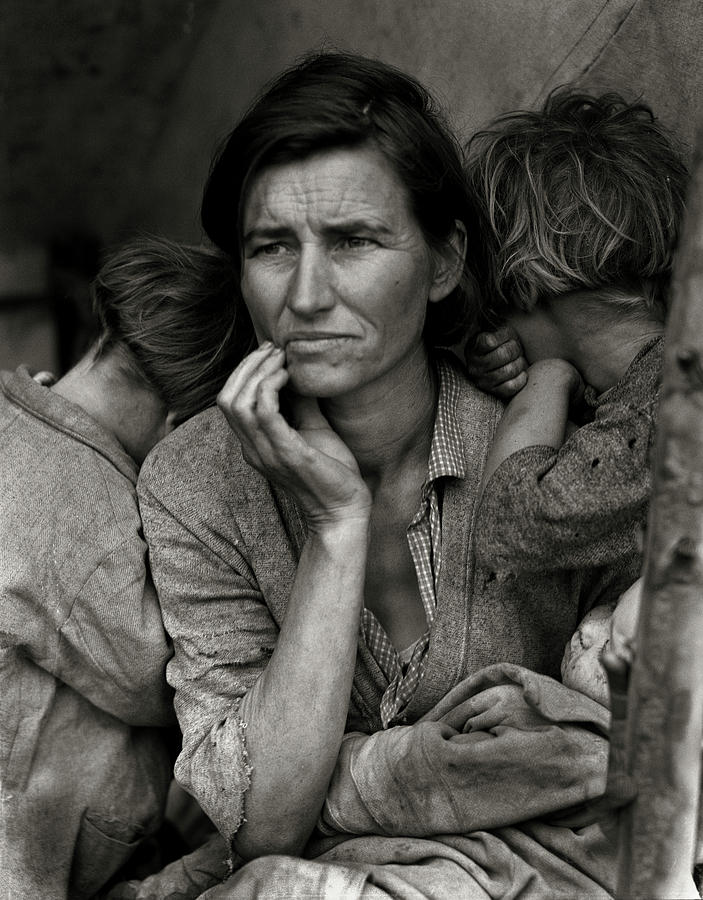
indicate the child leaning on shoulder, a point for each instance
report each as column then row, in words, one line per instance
column 581, row 204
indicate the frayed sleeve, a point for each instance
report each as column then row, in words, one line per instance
column 223, row 633
column 580, row 507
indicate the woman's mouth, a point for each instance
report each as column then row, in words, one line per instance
column 307, row 343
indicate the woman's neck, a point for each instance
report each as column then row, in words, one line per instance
column 388, row 425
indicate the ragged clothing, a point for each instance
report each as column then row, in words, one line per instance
column 86, row 714
column 584, row 505
column 224, row 545
column 494, row 793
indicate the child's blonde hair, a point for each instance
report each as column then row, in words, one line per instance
column 585, row 194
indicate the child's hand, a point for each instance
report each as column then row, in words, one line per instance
column 495, row 362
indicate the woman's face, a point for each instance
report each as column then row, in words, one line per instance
column 336, row 270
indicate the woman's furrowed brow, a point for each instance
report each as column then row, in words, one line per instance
column 264, row 232
column 332, row 228
column 354, row 226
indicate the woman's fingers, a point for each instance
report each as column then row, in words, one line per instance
column 244, row 373
column 253, row 384
column 308, row 458
column 238, row 398
column 266, row 400
column 250, row 402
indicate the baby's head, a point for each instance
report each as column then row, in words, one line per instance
column 581, row 667
column 608, row 631
column 585, row 195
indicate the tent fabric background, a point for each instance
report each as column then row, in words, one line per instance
column 481, row 57
column 112, row 111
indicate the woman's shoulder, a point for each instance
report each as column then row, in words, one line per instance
column 198, row 477
column 199, row 443
column 475, row 412
column 200, row 467
column 202, row 452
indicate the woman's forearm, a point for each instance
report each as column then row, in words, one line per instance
column 296, row 712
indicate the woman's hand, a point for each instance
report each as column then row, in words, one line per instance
column 296, row 710
column 495, row 362
column 307, row 458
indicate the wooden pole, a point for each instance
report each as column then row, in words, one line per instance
column 665, row 701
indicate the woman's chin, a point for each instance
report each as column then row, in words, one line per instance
column 317, row 381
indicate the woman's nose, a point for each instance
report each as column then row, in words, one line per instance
column 310, row 288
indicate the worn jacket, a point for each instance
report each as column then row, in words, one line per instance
column 586, row 504
column 84, row 704
column 224, row 546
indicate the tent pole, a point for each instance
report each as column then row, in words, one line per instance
column 658, row 830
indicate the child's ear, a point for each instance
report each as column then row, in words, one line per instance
column 170, row 422
column 449, row 264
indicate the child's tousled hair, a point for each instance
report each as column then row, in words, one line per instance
column 169, row 312
column 585, row 194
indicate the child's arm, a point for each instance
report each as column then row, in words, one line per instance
column 581, row 505
column 538, row 415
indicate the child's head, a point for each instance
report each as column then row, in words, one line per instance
column 585, row 195
column 169, row 313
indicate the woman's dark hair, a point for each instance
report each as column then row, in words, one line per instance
column 585, row 194
column 170, row 314
column 333, row 100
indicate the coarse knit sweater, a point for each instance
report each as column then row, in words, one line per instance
column 224, row 545
column 584, row 505
column 85, row 710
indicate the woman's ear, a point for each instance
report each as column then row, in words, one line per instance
column 449, row 264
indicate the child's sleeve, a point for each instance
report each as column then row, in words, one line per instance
column 581, row 506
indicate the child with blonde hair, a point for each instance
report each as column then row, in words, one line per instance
column 581, row 204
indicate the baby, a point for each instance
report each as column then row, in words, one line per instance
column 605, row 637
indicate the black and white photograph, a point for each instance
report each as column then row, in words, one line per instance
column 351, row 449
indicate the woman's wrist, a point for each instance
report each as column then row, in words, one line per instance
column 341, row 528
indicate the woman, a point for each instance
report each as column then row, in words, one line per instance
column 87, row 729
column 334, row 589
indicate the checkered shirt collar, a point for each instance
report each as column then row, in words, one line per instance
column 447, row 457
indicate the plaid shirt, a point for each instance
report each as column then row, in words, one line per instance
column 404, row 670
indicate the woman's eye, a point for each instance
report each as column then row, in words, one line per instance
column 270, row 249
column 354, row 242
